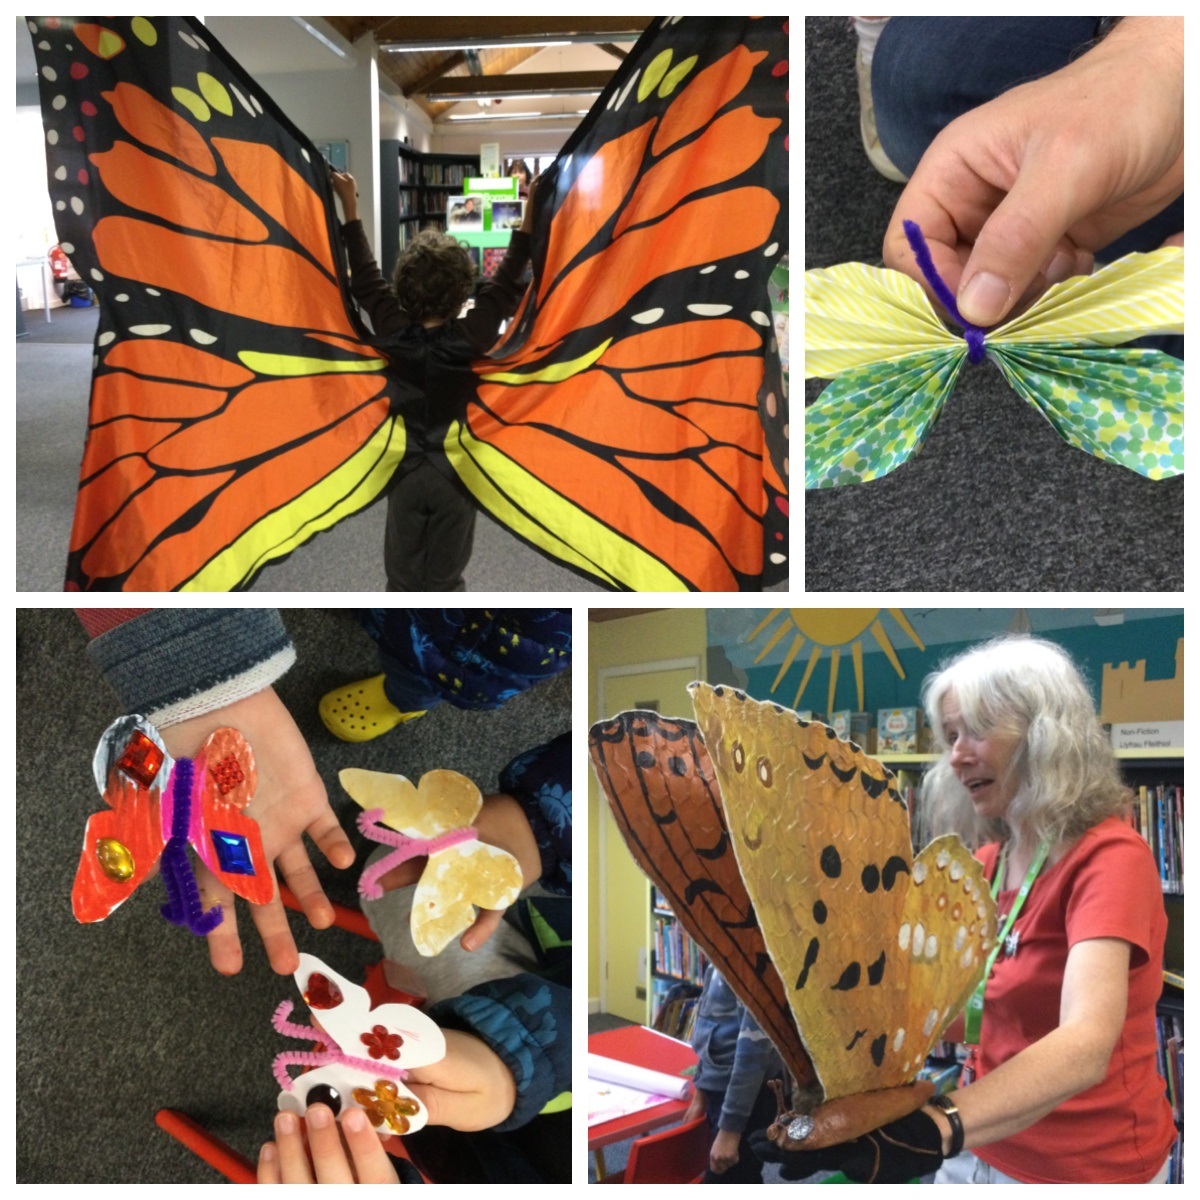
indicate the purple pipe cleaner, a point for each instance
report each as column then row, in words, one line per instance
column 972, row 333
column 183, row 905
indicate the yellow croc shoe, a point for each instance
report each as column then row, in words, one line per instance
column 361, row 711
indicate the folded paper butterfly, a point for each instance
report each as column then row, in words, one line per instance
column 433, row 819
column 894, row 363
column 157, row 806
column 364, row 1054
column 786, row 854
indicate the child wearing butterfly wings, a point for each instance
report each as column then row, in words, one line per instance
column 1062, row 1085
column 416, row 319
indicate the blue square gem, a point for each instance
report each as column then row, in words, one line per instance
column 233, row 852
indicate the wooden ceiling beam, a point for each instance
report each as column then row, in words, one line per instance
column 474, row 29
column 472, row 86
column 439, row 72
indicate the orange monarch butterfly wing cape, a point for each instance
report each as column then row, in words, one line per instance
column 633, row 422
column 237, row 407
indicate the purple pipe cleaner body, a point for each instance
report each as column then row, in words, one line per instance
column 405, row 848
column 972, row 333
column 183, row 905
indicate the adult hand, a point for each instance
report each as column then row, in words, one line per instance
column 1022, row 191
column 325, row 1158
column 469, row 1089
column 724, row 1151
column 289, row 802
column 346, row 188
column 503, row 823
column 894, row 1153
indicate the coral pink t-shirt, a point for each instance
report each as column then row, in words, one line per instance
column 1119, row 1131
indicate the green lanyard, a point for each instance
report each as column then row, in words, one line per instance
column 974, row 1010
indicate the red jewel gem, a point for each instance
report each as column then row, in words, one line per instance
column 227, row 774
column 322, row 992
column 142, row 759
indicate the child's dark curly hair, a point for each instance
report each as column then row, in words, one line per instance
column 433, row 277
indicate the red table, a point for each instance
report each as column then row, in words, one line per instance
column 645, row 1048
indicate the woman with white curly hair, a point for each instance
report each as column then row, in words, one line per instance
column 1063, row 1079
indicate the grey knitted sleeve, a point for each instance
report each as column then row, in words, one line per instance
column 176, row 663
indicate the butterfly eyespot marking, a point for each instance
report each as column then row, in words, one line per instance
column 891, row 871
column 644, row 759
column 941, row 902
column 870, row 877
column 960, row 937
column 677, row 765
column 875, row 970
column 820, row 912
column 942, row 859
column 905, row 935
column 931, row 1022
column 739, row 757
column 831, row 862
column 848, row 980
column 918, row 941
column 765, row 774
column 931, row 946
column 956, row 912
column 918, row 872
column 898, row 1041
column 878, row 1048
column 956, row 870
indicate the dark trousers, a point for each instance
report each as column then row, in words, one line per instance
column 430, row 532
column 749, row 1167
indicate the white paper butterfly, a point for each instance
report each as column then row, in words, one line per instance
column 365, row 1055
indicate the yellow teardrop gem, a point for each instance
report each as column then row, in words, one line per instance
column 115, row 860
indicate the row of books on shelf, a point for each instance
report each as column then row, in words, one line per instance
column 675, row 953
column 1157, row 814
column 447, row 174
column 675, row 1011
column 1170, row 1058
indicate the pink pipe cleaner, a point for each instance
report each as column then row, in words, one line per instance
column 321, row 1058
column 406, row 848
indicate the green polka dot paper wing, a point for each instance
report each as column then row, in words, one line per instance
column 875, row 333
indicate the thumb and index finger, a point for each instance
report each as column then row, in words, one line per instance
column 1019, row 248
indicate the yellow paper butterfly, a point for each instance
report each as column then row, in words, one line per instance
column 434, row 819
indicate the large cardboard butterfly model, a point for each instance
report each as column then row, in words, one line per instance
column 786, row 853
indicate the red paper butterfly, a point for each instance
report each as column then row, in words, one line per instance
column 635, row 428
column 157, row 806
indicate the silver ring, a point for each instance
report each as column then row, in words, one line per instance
column 799, row 1128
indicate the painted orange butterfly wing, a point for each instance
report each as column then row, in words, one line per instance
column 660, row 785
column 235, row 409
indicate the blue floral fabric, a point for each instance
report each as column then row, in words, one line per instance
column 540, row 781
column 471, row 658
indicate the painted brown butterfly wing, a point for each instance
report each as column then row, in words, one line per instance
column 878, row 951
column 660, row 785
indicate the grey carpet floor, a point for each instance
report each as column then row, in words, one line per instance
column 996, row 500
column 118, row 1019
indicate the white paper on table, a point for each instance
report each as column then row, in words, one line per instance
column 607, row 1101
column 642, row 1079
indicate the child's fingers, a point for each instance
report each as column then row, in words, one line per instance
column 371, row 1163
column 485, row 925
column 404, row 875
column 293, row 1158
column 272, row 924
column 268, row 1163
column 224, row 945
column 306, row 887
column 325, row 1146
column 331, row 840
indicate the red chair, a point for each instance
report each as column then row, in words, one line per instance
column 676, row 1155
column 237, row 1168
